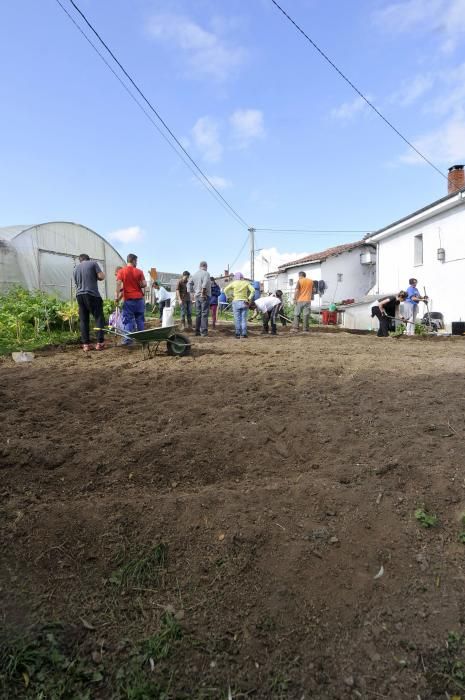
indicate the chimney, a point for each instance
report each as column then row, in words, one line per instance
column 456, row 178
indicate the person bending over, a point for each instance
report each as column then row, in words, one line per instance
column 270, row 307
column 386, row 311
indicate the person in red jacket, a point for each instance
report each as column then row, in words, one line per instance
column 130, row 284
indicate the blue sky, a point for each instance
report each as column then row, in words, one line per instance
column 279, row 133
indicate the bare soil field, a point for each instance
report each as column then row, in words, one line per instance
column 276, row 517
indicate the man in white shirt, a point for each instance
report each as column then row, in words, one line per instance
column 270, row 307
column 162, row 296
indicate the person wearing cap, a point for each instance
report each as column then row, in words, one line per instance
column 270, row 307
column 201, row 286
column 184, row 298
column 242, row 294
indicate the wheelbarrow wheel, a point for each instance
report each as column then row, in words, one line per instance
column 178, row 345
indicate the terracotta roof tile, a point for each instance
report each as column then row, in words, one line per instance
column 335, row 250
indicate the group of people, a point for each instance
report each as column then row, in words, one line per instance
column 387, row 309
column 200, row 290
column 205, row 292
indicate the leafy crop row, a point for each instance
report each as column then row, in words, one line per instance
column 33, row 319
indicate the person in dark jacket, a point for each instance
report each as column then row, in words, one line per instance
column 215, row 293
column 386, row 311
column 86, row 275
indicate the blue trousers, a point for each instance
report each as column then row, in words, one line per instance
column 240, row 311
column 133, row 316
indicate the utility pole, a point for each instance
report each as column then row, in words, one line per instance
column 252, row 253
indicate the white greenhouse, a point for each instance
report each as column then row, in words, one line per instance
column 44, row 256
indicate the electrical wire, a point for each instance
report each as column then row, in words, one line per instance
column 319, row 232
column 239, row 253
column 354, row 87
column 196, row 170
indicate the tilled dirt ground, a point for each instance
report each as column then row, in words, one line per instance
column 271, row 479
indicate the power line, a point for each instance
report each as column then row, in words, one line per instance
column 206, row 182
column 349, row 82
column 239, row 253
column 319, row 232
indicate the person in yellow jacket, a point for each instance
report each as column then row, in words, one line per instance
column 242, row 294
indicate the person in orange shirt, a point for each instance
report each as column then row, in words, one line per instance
column 302, row 301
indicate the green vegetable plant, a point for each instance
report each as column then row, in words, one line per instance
column 400, row 330
column 33, row 319
column 425, row 519
column 420, row 329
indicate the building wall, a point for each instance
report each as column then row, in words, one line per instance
column 357, row 279
column 358, row 316
column 443, row 281
column 287, row 279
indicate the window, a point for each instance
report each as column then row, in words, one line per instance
column 291, row 282
column 418, row 250
column 339, row 276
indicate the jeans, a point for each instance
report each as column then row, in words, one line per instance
column 90, row 304
column 164, row 304
column 186, row 312
column 202, row 307
column 240, row 311
column 302, row 307
column 133, row 317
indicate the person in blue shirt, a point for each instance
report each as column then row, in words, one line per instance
column 222, row 303
column 411, row 305
column 215, row 293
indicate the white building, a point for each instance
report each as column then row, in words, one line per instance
column 429, row 245
column 348, row 272
column 44, row 256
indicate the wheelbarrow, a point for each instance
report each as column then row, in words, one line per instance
column 178, row 345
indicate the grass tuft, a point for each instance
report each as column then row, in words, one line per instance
column 142, row 570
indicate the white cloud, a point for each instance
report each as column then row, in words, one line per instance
column 268, row 260
column 452, row 99
column 127, row 235
column 444, row 145
column 446, row 18
column 247, row 125
column 205, row 133
column 348, row 110
column 411, row 90
column 207, row 53
column 221, row 183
